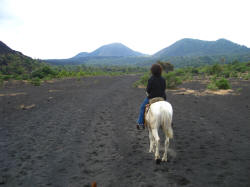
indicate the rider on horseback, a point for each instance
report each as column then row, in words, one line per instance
column 155, row 88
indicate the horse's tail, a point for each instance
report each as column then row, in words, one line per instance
column 167, row 123
column 170, row 132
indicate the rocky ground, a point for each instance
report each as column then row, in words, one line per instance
column 73, row 132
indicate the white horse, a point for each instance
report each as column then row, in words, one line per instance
column 159, row 114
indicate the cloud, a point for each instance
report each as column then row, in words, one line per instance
column 4, row 13
column 62, row 28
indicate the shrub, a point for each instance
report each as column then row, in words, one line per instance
column 235, row 62
column 246, row 76
column 7, row 77
column 186, row 77
column 18, row 77
column 172, row 81
column 234, row 74
column 78, row 76
column 180, row 72
column 166, row 66
column 240, row 68
column 226, row 73
column 194, row 71
column 36, row 81
column 218, row 84
column 144, row 79
column 216, row 69
column 43, row 72
column 223, row 84
column 25, row 76
column 239, row 90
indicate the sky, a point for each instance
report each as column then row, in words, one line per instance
column 48, row 29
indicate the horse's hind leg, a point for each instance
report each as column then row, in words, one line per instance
column 157, row 143
column 164, row 158
column 151, row 141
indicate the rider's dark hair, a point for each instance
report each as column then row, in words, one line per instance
column 156, row 69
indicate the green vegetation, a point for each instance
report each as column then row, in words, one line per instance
column 172, row 80
column 221, row 83
column 17, row 66
column 143, row 80
column 48, row 72
column 218, row 74
column 239, row 90
column 20, row 67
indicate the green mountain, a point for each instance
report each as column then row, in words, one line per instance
column 115, row 49
column 115, row 54
column 192, row 47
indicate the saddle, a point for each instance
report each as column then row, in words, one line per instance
column 151, row 101
column 156, row 99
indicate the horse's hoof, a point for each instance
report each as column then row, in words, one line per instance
column 164, row 160
column 158, row 161
column 151, row 151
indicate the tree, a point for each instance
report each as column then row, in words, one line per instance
column 166, row 66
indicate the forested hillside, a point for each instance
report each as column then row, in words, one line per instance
column 14, row 64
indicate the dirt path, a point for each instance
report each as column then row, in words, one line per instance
column 71, row 133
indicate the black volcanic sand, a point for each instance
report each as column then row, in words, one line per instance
column 71, row 133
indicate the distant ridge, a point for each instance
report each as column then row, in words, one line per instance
column 114, row 53
column 185, row 52
column 193, row 47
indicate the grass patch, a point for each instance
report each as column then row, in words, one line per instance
column 238, row 90
column 212, row 86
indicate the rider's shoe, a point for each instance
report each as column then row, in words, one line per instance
column 140, row 125
column 137, row 126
